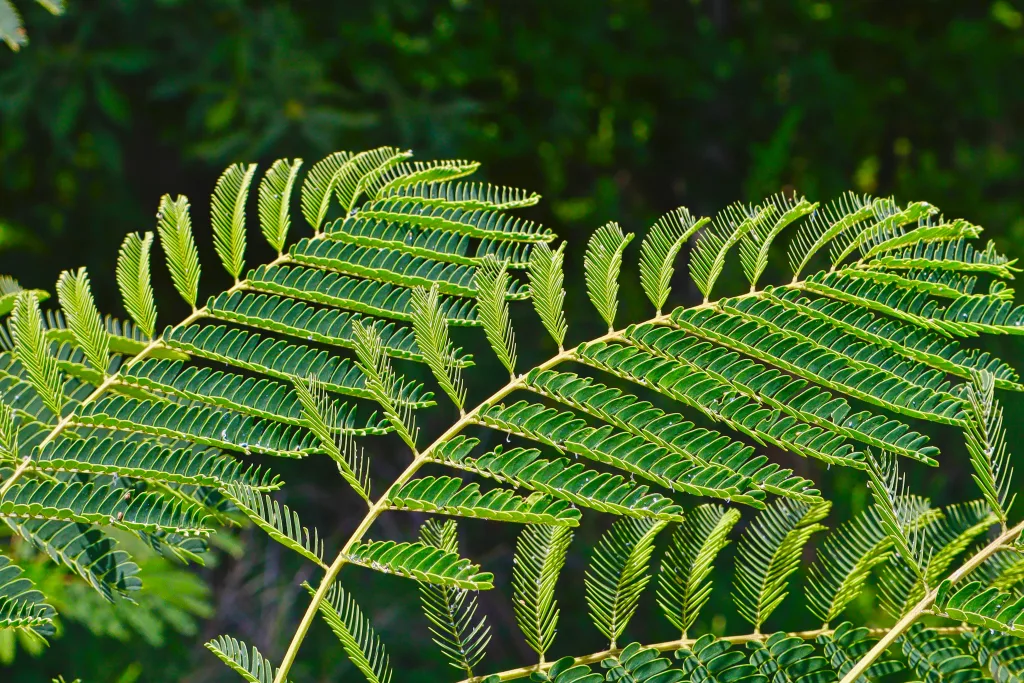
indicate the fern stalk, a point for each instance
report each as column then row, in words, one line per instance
column 924, row 606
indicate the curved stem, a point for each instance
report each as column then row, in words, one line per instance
column 671, row 645
column 925, row 604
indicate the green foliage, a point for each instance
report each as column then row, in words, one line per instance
column 148, row 435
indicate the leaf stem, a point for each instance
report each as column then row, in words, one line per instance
column 925, row 604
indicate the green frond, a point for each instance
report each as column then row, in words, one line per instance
column 845, row 646
column 537, row 563
column 227, row 216
column 1003, row 569
column 321, row 417
column 547, row 289
column 283, row 526
column 33, row 352
column 635, row 455
column 8, row 434
column 492, row 283
column 897, row 513
column 564, row 671
column 1001, row 656
column 448, row 496
column 275, row 201
column 262, row 398
column 561, row 478
column 9, row 290
column 254, row 667
column 148, row 461
column 788, row 659
column 708, row 256
column 21, row 605
column 659, row 251
column 719, row 402
column 814, row 410
column 266, row 355
column 900, row 337
column 431, row 331
column 362, row 645
column 470, row 196
column 318, row 188
column 426, row 243
column 670, row 431
column 420, row 172
column 637, row 664
column 480, row 224
column 986, row 444
column 957, row 255
column 84, row 321
column 769, row 552
column 602, row 263
column 938, row 659
column 462, row 637
column 174, row 225
column 134, row 281
column 684, row 585
column 889, row 218
column 844, row 563
column 364, row 170
column 825, row 225
column 197, row 424
column 381, row 299
column 83, row 549
column 983, row 607
column 778, row 212
column 928, row 230
column 710, row 660
column 420, row 562
column 90, row 503
column 382, row 385
column 618, row 573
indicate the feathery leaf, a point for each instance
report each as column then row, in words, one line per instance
column 174, row 224
column 986, row 444
column 254, row 667
column 33, row 352
column 492, row 284
column 134, row 281
column 537, row 563
column 547, row 289
column 659, row 250
column 362, row 645
column 75, row 295
column 275, row 195
column 227, row 216
column 601, row 264
column 431, row 331
column 382, row 384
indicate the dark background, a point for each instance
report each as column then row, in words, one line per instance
column 613, row 110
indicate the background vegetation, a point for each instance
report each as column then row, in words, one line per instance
column 613, row 110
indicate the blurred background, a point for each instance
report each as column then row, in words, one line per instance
column 611, row 109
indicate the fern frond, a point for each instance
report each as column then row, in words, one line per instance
column 957, row 255
column 364, row 170
column 420, row 172
column 84, row 321
column 982, row 607
column 710, row 660
column 21, row 605
column 360, row 642
column 601, row 264
column 227, row 216
column 432, row 340
column 283, row 526
column 788, row 659
column 275, row 195
column 381, row 383
column 938, row 659
column 174, row 225
column 470, row 196
column 420, row 562
column 462, row 637
column 85, row 550
column 986, row 444
column 254, row 667
column 537, row 563
column 547, row 289
column 448, row 496
column 481, row 224
column 927, row 230
column 683, row 583
column 618, row 574
column 90, row 503
column 897, row 513
column 318, row 188
column 824, row 226
column 134, row 281
column 9, row 290
column 889, row 219
column 768, row 554
column 8, row 434
column 659, row 251
column 321, row 418
column 845, row 646
column 779, row 212
column 561, row 478
column 708, row 257
column 33, row 352
column 492, row 283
